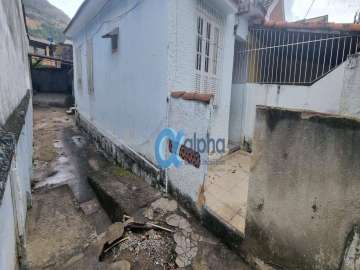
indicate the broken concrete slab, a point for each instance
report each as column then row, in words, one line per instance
column 165, row 205
column 90, row 207
column 186, row 249
column 179, row 222
column 121, row 195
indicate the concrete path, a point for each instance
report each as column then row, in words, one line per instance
column 226, row 189
column 68, row 217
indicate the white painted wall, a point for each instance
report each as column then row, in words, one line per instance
column 14, row 82
column 22, row 170
column 350, row 97
column 323, row 96
column 7, row 232
column 156, row 55
column 190, row 117
column 129, row 103
column 14, row 69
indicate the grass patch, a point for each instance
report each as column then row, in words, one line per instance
column 120, row 171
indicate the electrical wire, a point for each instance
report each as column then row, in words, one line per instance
column 309, row 9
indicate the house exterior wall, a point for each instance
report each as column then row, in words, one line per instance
column 156, row 55
column 304, row 188
column 182, row 55
column 15, row 120
column 130, row 86
column 322, row 96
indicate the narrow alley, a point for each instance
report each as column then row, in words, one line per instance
column 179, row 134
column 67, row 220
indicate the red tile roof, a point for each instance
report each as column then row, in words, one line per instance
column 346, row 27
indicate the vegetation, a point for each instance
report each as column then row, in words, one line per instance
column 44, row 20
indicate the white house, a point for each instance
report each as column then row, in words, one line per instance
column 15, row 134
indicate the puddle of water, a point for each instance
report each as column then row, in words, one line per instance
column 62, row 174
column 79, row 141
column 58, row 145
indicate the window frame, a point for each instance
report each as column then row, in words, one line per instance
column 207, row 76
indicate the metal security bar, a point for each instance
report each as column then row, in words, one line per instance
column 272, row 56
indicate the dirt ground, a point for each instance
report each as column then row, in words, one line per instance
column 67, row 224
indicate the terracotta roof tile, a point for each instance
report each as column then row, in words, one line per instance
column 348, row 27
column 206, row 98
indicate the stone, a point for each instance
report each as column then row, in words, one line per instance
column 179, row 222
column 114, row 232
column 165, row 205
column 120, row 265
column 149, row 213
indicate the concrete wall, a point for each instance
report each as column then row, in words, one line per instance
column 191, row 117
column 304, row 188
column 14, row 83
column 350, row 97
column 14, row 68
column 52, row 80
column 322, row 96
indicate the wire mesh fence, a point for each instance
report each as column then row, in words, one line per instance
column 273, row 56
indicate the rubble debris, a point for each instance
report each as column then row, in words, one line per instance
column 115, row 244
column 147, row 225
column 114, row 232
column 186, row 248
column 164, row 205
column 153, row 249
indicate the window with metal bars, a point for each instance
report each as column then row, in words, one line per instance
column 272, row 56
column 209, row 27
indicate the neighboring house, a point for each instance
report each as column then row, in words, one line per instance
column 41, row 46
column 42, row 51
column 64, row 51
column 15, row 134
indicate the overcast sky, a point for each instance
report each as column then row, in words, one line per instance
column 338, row 10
